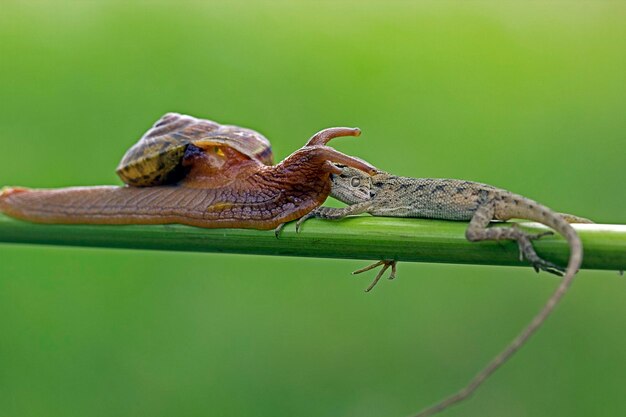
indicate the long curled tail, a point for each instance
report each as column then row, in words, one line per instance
column 560, row 224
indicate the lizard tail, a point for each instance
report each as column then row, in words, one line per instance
column 532, row 211
column 561, row 224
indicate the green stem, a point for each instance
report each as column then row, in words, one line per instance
column 364, row 237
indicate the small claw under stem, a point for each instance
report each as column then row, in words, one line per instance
column 369, row 267
column 386, row 264
column 378, row 276
column 393, row 270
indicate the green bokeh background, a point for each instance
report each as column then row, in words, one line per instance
column 529, row 96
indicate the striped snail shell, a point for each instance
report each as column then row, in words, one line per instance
column 156, row 159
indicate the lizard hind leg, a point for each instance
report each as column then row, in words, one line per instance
column 527, row 251
column 477, row 231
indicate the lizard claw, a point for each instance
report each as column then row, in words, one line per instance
column 279, row 229
column 549, row 267
column 525, row 248
column 542, row 265
column 302, row 219
column 299, row 223
column 386, row 264
column 528, row 252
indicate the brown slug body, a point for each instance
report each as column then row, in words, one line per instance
column 223, row 187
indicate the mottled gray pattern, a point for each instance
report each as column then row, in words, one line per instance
column 389, row 195
column 383, row 194
column 426, row 197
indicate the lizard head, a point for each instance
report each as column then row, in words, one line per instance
column 351, row 186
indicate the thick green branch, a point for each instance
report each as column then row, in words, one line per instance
column 363, row 237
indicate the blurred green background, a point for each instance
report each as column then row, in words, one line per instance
column 529, row 96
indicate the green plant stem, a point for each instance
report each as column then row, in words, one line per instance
column 363, row 237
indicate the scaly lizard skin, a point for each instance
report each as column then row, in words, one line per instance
column 387, row 195
column 383, row 194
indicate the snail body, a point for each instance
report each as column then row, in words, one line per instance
column 223, row 187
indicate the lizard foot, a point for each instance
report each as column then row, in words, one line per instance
column 299, row 223
column 279, row 229
column 304, row 218
column 526, row 251
column 386, row 264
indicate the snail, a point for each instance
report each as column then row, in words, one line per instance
column 188, row 171
column 156, row 158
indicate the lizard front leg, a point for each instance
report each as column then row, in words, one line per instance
column 332, row 213
column 329, row 213
column 477, row 231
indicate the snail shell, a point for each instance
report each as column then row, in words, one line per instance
column 156, row 159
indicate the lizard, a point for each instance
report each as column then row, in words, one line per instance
column 384, row 194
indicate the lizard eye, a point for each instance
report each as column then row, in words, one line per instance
column 355, row 182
